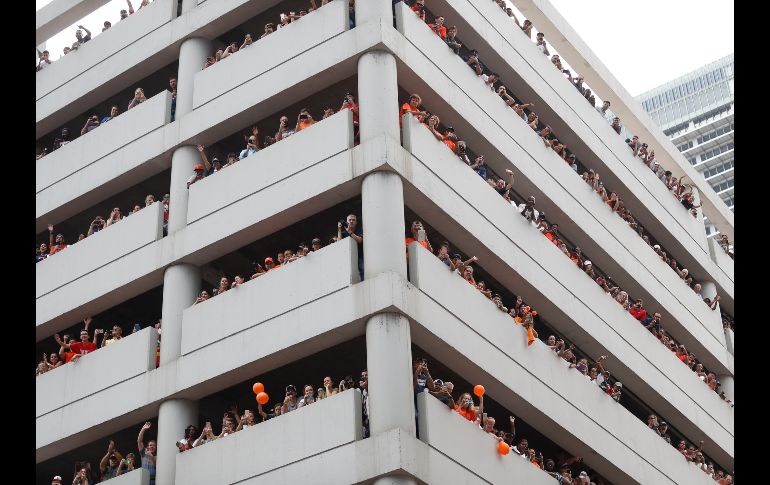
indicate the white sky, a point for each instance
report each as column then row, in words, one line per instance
column 644, row 43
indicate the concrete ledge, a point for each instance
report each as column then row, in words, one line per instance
column 257, row 99
column 299, row 152
column 283, row 339
column 470, row 446
column 264, row 54
column 721, row 258
column 514, row 254
column 106, row 146
column 316, row 275
column 610, row 242
column 96, row 371
column 269, row 209
column 572, row 48
column 730, row 339
column 112, row 42
column 60, row 14
column 140, row 59
column 97, row 251
column 307, row 431
column 484, row 113
column 556, row 400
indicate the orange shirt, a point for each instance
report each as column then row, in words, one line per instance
column 440, row 31
column 450, row 144
column 407, row 108
column 410, row 240
column 469, row 414
column 549, row 235
column 303, row 124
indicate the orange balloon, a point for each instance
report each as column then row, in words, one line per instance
column 258, row 387
column 262, row 398
column 478, row 390
column 503, row 448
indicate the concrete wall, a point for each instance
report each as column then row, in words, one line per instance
column 563, row 37
column 253, row 451
column 111, row 42
column 133, row 355
column 645, row 196
column 257, row 99
column 110, row 244
column 464, row 442
column 730, row 339
column 139, row 59
column 139, row 476
column 264, row 54
column 60, row 14
column 721, row 258
column 513, row 252
column 316, row 275
column 102, row 155
column 535, row 384
column 302, row 331
column 266, row 211
column 310, row 146
column 626, row 254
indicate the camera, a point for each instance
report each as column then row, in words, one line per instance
column 344, row 223
column 628, row 140
column 565, row 71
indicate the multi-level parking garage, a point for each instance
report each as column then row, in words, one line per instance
column 317, row 316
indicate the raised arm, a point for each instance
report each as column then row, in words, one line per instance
column 105, row 459
column 205, row 159
column 140, row 438
column 510, row 179
column 50, row 236
column 130, row 7
column 88, row 32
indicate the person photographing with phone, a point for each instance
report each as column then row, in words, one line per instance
column 349, row 228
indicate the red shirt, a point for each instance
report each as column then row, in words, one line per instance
column 82, row 348
column 354, row 109
column 58, row 247
column 450, row 144
column 640, row 313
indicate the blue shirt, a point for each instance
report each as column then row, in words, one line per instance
column 148, row 465
column 247, row 152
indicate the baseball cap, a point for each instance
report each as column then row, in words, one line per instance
column 587, row 263
column 268, row 260
column 657, row 246
column 316, row 240
column 618, row 384
column 583, row 474
column 450, row 128
column 215, row 160
column 198, row 166
column 56, row 478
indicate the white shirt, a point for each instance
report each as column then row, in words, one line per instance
column 537, row 214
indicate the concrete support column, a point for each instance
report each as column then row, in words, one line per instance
column 181, row 284
column 192, row 55
column 389, row 364
column 378, row 93
column 173, row 417
column 182, row 162
column 382, row 212
column 373, row 10
column 727, row 384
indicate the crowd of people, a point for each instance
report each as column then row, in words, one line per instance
column 527, row 209
column 95, row 121
column 58, row 243
column 524, row 315
column 270, row 27
column 347, row 228
column 252, row 144
column 71, row 350
column 44, row 57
